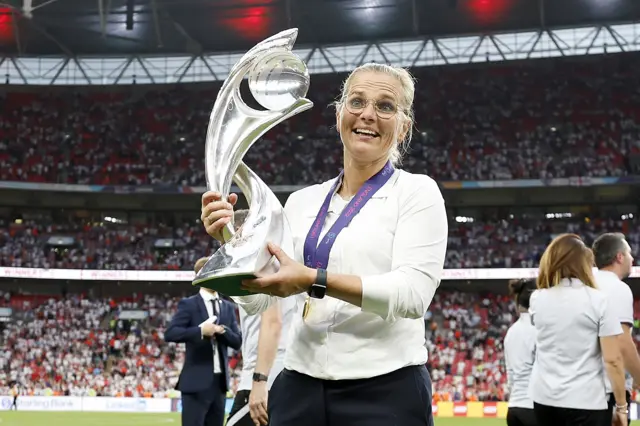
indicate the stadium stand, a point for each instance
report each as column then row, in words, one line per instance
column 542, row 119
column 530, row 120
column 78, row 346
column 512, row 242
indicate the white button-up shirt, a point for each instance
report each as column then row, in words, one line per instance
column 568, row 371
column 621, row 300
column 396, row 245
column 519, row 356
column 208, row 298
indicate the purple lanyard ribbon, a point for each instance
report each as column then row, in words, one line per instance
column 317, row 255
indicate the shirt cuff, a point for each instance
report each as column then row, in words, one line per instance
column 375, row 295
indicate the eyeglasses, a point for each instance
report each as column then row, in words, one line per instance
column 385, row 109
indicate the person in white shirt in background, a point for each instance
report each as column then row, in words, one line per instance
column 613, row 259
column 369, row 251
column 576, row 328
column 264, row 341
column 519, row 356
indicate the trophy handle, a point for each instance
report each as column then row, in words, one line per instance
column 279, row 81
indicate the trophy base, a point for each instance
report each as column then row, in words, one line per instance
column 228, row 285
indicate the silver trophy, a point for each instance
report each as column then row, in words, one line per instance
column 279, row 81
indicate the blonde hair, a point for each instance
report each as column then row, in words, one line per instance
column 566, row 257
column 407, row 82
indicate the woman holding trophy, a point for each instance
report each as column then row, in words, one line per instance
column 369, row 250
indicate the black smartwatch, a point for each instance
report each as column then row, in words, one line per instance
column 257, row 377
column 319, row 288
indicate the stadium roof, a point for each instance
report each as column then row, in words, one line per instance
column 116, row 27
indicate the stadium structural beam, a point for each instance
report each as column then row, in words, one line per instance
column 477, row 47
column 419, row 52
column 439, row 50
column 495, row 43
column 62, row 67
column 186, row 68
column 206, row 64
column 382, row 53
column 156, row 22
column 16, row 30
column 288, row 13
column 360, row 58
column 104, row 13
column 124, row 68
column 20, row 73
column 416, row 18
column 310, row 55
column 552, row 36
column 535, row 43
column 333, row 69
column 616, row 37
column 593, row 40
column 81, row 68
column 146, row 70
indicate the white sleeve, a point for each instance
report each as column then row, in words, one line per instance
column 533, row 299
column 624, row 304
column 507, row 363
column 419, row 247
column 255, row 304
column 609, row 323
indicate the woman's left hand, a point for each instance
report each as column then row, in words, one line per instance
column 292, row 278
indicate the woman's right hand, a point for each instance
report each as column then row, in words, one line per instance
column 216, row 214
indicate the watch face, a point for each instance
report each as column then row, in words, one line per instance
column 317, row 291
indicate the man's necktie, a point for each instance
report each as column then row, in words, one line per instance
column 216, row 309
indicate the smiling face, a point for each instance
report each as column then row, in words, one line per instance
column 371, row 119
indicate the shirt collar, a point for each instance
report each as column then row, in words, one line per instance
column 207, row 296
column 611, row 274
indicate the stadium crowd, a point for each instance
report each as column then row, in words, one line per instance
column 76, row 346
column 81, row 347
column 473, row 242
column 539, row 119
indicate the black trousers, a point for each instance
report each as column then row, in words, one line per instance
column 241, row 400
column 517, row 416
column 556, row 416
column 402, row 397
column 205, row 408
column 612, row 404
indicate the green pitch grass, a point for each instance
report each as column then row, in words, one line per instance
column 32, row 418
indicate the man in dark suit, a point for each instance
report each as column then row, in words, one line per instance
column 207, row 324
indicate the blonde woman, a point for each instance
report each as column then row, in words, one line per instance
column 369, row 253
column 576, row 328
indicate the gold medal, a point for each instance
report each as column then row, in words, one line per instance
column 306, row 308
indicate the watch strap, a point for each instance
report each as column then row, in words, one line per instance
column 258, row 377
column 319, row 287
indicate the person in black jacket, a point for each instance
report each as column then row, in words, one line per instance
column 208, row 326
